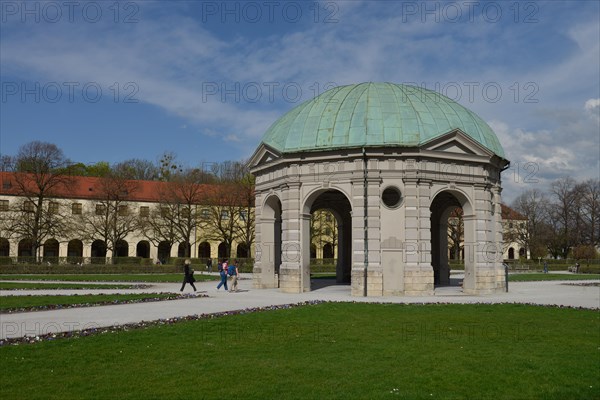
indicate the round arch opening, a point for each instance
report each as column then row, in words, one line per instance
column 451, row 238
column 328, row 233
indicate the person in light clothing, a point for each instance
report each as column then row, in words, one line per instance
column 234, row 273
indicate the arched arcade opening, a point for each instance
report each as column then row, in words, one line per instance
column 452, row 232
column 143, row 249
column 4, row 247
column 268, row 251
column 337, row 204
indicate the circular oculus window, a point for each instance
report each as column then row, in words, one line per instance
column 391, row 197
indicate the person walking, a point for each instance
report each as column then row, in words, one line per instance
column 188, row 275
column 223, row 274
column 209, row 265
column 234, row 273
column 545, row 267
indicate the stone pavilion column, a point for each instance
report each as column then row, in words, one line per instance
column 484, row 247
column 498, row 239
column 418, row 272
column 290, row 273
column 374, row 278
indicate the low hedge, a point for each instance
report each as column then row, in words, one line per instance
column 322, row 268
column 589, row 269
column 88, row 269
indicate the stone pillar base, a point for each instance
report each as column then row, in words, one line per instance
column 418, row 281
column 500, row 280
column 289, row 280
column 374, row 282
column 259, row 281
column 487, row 281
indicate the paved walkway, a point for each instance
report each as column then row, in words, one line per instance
column 563, row 293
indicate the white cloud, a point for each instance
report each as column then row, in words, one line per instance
column 175, row 60
column 570, row 148
column 592, row 105
column 232, row 138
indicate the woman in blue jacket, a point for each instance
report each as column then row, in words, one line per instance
column 223, row 273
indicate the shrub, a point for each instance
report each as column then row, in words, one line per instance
column 127, row 260
column 6, row 261
column 87, row 269
column 589, row 269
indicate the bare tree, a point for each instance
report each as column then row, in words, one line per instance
column 112, row 219
column 41, row 177
column 157, row 227
column 323, row 229
column 562, row 217
column 168, row 166
column 456, row 230
column 6, row 163
column 136, row 169
column 229, row 216
column 219, row 220
column 179, row 212
column 533, row 234
column 246, row 202
column 589, row 200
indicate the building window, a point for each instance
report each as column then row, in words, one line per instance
column 123, row 210
column 100, row 209
column 185, row 212
column 53, row 207
column 327, row 231
column 205, row 213
column 3, row 205
column 6, row 185
column 244, row 215
column 144, row 211
column 164, row 212
column 391, row 197
column 76, row 208
column 28, row 206
column 224, row 214
column 328, row 217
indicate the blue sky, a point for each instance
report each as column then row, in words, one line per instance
column 108, row 81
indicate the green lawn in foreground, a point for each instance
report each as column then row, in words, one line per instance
column 522, row 277
column 108, row 277
column 327, row 351
column 16, row 302
column 53, row 286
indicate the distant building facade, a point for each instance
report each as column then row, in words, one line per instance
column 85, row 198
column 514, row 230
column 515, row 227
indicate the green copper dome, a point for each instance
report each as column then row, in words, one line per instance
column 374, row 115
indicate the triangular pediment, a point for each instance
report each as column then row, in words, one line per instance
column 264, row 154
column 457, row 142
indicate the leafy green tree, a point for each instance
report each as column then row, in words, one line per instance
column 99, row 169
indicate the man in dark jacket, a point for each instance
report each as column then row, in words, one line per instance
column 188, row 275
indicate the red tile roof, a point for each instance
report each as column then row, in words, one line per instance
column 89, row 188
column 509, row 213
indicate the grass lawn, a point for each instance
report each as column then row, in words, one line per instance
column 53, row 286
column 323, row 275
column 325, row 351
column 18, row 302
column 109, row 277
column 522, row 277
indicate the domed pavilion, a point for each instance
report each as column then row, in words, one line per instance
column 391, row 162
